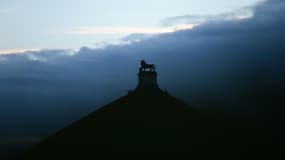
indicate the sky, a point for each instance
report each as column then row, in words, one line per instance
column 231, row 60
column 71, row 24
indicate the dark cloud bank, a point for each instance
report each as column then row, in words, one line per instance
column 233, row 66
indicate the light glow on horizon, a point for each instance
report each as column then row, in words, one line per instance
column 128, row 30
column 18, row 50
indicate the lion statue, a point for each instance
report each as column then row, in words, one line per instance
column 145, row 66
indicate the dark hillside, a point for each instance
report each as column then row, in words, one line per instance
column 149, row 121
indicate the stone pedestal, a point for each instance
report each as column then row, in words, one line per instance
column 147, row 80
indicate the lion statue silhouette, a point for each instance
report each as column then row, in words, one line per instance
column 147, row 67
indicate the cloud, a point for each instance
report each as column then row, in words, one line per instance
column 127, row 30
column 240, row 14
column 224, row 65
column 22, row 50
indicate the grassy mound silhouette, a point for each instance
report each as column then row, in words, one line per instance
column 147, row 122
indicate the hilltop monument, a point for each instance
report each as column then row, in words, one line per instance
column 147, row 77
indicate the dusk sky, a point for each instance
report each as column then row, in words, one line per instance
column 62, row 59
column 71, row 24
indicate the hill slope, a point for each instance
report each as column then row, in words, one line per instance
column 147, row 122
